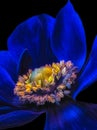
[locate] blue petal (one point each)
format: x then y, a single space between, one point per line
16 118
7 62
25 63
6 85
89 74
72 116
33 34
5 109
68 39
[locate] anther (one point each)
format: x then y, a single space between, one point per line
47 84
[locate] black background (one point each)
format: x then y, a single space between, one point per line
14 12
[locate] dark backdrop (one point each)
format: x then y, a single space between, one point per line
14 12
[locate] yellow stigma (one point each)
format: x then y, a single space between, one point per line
39 79
44 76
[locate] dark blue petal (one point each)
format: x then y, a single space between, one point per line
72 116
16 118
25 63
6 85
68 39
33 34
8 63
89 74
5 109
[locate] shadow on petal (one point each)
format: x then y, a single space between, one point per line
6 109
25 63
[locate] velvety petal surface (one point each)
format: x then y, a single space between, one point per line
6 85
89 74
72 116
33 34
16 118
68 39
8 63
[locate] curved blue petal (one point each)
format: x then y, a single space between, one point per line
72 116
89 74
33 34
68 39
25 63
16 118
8 63
6 85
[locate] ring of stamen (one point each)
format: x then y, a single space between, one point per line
49 83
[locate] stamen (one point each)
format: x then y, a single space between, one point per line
49 83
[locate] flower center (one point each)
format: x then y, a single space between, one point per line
49 83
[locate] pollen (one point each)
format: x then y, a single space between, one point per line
47 84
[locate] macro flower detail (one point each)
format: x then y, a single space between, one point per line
46 84
43 71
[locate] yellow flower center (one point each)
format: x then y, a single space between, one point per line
46 84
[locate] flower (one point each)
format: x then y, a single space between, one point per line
44 69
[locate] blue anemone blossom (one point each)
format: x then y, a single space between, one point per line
36 42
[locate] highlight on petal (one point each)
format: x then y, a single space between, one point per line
16 118
89 74
8 63
72 116
33 35
6 85
68 38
